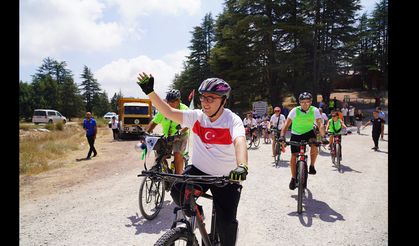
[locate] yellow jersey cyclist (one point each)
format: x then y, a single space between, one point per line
170 128
334 125
219 148
302 118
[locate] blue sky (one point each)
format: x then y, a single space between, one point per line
116 39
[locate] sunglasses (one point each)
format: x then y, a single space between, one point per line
208 99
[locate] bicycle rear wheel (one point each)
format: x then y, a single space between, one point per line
151 197
177 236
301 179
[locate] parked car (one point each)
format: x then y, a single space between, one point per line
47 116
109 115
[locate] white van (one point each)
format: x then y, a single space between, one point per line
47 116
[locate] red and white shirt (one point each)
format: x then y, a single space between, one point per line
213 142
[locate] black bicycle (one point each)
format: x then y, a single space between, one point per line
301 167
152 189
336 149
252 138
191 217
277 146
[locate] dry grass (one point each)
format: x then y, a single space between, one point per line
38 150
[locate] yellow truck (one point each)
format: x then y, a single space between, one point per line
134 114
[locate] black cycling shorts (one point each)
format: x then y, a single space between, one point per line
306 136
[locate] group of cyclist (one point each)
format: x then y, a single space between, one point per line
219 141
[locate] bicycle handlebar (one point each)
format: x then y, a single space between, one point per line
193 179
303 142
335 133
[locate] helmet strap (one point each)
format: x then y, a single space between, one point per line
222 103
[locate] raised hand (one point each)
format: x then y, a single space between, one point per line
146 82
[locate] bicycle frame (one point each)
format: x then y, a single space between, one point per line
191 194
196 217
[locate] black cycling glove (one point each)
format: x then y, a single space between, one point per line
281 139
239 173
146 83
325 141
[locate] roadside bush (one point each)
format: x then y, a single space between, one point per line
50 127
59 126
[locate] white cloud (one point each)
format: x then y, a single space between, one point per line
131 9
122 74
52 27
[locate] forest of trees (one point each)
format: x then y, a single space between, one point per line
269 49
53 87
265 49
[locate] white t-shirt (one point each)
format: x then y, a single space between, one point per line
250 123
114 124
344 111
292 115
274 121
351 111
213 142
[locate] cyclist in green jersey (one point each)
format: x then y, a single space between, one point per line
334 125
170 128
302 118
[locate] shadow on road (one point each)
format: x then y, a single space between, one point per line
282 163
380 151
324 152
315 208
162 222
344 169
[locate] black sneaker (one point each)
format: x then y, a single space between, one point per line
292 184
312 170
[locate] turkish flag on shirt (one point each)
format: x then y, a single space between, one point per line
191 95
212 135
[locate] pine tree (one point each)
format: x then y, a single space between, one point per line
90 88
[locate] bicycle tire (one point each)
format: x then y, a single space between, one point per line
333 153
266 138
256 141
151 195
301 179
249 141
277 154
177 234
338 156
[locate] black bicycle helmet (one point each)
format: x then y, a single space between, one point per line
216 86
305 95
172 95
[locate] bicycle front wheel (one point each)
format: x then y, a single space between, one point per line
333 153
277 153
177 236
151 197
249 141
256 140
338 155
302 179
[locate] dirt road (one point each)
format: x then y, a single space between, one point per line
95 202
